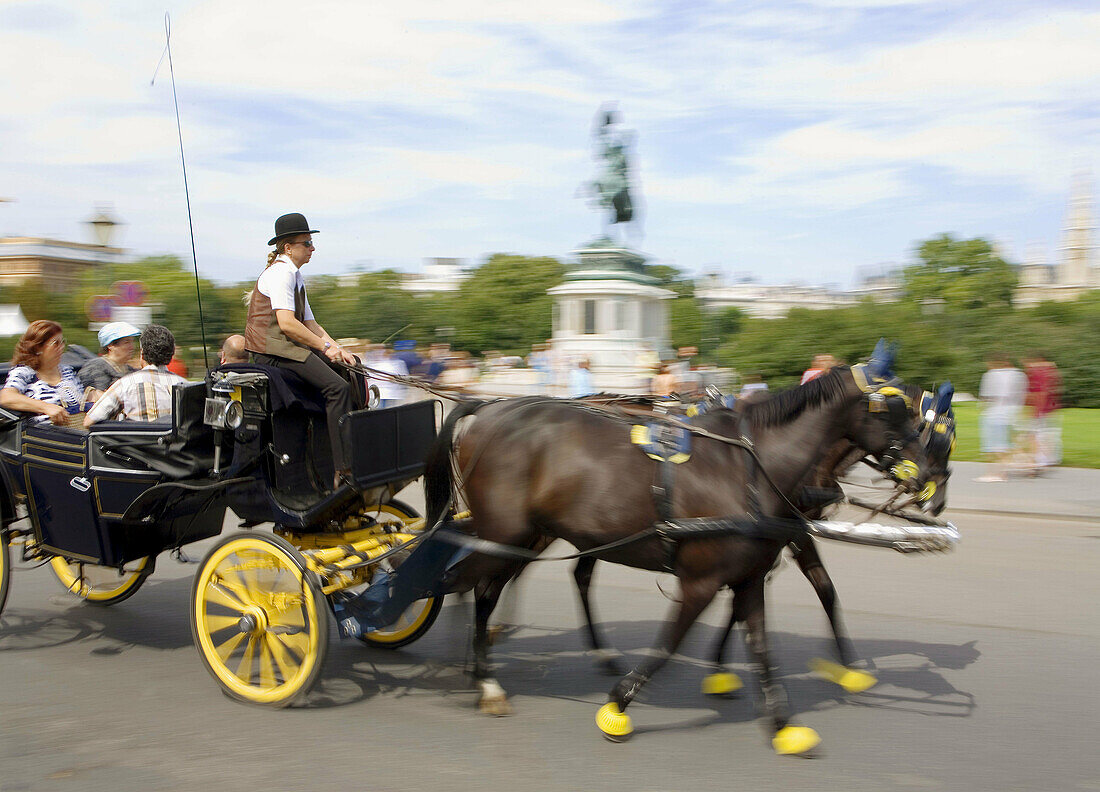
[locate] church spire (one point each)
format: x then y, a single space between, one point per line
1076 268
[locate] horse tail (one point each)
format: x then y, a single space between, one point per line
438 482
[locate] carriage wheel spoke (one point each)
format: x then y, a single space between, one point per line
244 670
226 649
216 623
267 671
278 651
234 597
297 644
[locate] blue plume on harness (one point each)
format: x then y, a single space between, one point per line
662 442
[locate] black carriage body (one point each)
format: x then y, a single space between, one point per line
124 490
87 493
282 450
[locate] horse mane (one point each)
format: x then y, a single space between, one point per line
787 405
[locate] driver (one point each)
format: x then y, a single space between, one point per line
282 332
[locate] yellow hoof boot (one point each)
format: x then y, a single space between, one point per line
795 740
851 679
614 724
721 683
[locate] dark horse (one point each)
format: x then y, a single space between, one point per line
536 468
820 490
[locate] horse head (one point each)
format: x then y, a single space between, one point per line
888 424
938 437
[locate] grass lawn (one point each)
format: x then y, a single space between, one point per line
1080 436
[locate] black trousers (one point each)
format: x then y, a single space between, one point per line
338 392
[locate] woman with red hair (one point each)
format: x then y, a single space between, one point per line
38 383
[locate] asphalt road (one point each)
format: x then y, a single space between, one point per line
986 660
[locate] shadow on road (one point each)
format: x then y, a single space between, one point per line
542 662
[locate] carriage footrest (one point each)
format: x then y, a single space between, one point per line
425 573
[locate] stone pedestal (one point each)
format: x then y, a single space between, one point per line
610 312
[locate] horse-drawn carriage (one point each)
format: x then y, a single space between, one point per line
102 504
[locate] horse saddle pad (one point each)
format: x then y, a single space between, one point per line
662 442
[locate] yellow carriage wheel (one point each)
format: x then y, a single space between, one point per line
418 617
259 620
5 569
102 585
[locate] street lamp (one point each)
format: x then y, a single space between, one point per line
103 225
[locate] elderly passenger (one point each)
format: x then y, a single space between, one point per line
116 339
38 383
145 395
233 351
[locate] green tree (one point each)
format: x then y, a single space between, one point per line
964 273
504 304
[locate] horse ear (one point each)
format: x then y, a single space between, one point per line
943 398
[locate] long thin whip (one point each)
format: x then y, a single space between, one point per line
183 161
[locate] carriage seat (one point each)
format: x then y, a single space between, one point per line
179 447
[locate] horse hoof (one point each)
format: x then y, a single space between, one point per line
795 741
722 683
497 707
851 679
614 724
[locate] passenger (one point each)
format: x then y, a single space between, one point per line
116 339
233 351
282 332
38 382
146 394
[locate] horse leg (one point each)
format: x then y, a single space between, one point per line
853 680
722 682
695 595
493 700
606 659
749 607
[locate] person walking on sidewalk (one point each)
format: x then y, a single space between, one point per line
1002 392
1044 397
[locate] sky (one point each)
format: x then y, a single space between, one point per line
794 141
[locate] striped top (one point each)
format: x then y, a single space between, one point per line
144 395
67 392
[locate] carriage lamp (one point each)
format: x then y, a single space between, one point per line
223 413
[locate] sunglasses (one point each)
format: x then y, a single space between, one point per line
56 342
308 243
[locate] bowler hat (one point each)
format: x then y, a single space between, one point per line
289 225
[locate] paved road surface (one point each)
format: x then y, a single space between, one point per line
987 661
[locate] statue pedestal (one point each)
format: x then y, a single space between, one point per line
608 311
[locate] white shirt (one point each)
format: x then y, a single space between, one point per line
279 282
1004 389
387 389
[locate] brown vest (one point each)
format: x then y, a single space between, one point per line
262 332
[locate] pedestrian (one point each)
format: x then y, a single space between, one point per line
821 363
664 384
116 342
1044 399
282 332
386 361
580 380
1002 391
754 383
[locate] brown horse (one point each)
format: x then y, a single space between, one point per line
820 490
538 468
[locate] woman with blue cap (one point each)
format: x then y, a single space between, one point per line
116 339
281 330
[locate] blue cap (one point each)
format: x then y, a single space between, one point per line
113 331
403 345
